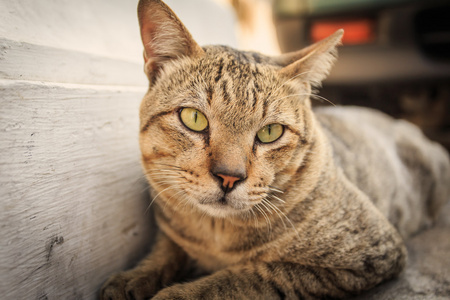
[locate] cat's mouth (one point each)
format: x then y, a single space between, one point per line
223 206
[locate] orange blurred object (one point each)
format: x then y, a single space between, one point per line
359 31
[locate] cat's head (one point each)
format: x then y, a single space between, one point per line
223 130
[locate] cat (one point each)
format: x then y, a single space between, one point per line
265 196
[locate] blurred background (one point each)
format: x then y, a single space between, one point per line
395 54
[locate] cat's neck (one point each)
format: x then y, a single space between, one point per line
315 163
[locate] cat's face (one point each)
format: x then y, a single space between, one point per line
222 115
221 130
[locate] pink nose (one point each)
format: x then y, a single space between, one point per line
228 181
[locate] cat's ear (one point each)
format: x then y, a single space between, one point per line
164 36
312 63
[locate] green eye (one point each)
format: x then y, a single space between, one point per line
193 119
270 133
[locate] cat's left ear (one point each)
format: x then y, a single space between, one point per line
313 63
164 37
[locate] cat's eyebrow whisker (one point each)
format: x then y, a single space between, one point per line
289 80
323 98
292 95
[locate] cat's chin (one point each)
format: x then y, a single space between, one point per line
223 210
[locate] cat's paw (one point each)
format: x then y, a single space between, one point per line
177 291
114 287
129 286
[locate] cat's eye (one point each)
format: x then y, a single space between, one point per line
193 119
270 133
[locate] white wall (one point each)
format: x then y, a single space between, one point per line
72 194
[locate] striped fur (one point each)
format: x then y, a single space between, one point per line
322 212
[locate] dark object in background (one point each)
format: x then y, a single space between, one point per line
395 55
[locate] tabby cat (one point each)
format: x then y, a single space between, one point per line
264 196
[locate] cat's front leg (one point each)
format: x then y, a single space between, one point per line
157 270
241 282
279 280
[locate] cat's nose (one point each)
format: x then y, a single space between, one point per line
229 181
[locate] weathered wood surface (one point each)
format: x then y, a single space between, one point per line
22 60
72 196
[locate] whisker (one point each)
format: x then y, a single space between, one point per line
185 200
289 220
164 176
263 203
292 95
255 217
306 94
164 173
153 174
164 170
289 80
153 200
276 209
277 198
174 195
266 217
147 187
275 189
202 216
168 165
323 98
162 182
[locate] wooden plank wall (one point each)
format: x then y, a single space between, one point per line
72 193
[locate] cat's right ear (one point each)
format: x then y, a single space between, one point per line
311 64
164 37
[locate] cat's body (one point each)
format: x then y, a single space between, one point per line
407 182
298 213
